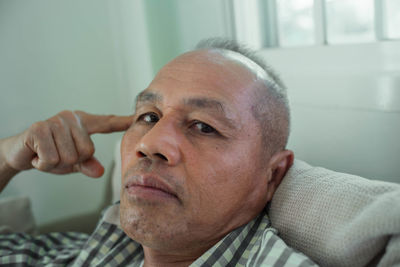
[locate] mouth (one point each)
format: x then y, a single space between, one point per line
149 187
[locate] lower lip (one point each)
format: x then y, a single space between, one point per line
149 193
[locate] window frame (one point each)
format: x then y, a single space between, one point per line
264 23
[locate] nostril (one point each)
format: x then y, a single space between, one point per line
140 154
161 156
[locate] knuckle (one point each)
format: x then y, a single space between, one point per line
56 123
71 159
40 128
64 113
79 112
37 126
42 166
52 161
60 119
67 115
78 117
87 151
48 164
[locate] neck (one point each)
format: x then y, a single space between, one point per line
157 258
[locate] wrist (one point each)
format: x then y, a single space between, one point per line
6 171
5 167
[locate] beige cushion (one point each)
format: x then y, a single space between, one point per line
338 219
16 215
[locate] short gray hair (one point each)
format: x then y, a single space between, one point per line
272 108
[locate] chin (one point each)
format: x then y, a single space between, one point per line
150 229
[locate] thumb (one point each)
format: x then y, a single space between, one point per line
92 168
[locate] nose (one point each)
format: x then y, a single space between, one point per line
161 143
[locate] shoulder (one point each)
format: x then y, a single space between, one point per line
270 250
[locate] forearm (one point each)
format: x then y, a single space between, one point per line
6 172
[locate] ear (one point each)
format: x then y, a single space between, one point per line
278 165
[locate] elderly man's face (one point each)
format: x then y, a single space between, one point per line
192 167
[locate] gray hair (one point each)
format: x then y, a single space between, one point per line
272 108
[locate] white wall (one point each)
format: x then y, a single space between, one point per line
90 55
345 102
176 26
200 19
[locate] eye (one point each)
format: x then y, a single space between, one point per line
204 127
149 117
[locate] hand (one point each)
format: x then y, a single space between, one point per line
62 143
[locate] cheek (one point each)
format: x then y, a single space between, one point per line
218 198
233 172
222 177
128 150
230 163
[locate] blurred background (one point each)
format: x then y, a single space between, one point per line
340 60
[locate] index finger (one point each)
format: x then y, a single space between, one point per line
103 123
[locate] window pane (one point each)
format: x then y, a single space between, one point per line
392 18
295 22
350 21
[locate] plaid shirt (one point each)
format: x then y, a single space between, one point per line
254 244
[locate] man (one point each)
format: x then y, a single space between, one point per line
201 157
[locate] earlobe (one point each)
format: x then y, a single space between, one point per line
279 164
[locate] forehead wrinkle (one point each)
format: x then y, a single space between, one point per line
203 102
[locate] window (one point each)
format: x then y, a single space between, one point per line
391 19
284 23
349 21
295 22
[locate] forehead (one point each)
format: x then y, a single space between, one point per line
206 73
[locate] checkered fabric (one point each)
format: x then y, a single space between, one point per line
254 244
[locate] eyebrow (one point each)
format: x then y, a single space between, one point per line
195 103
146 96
205 103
